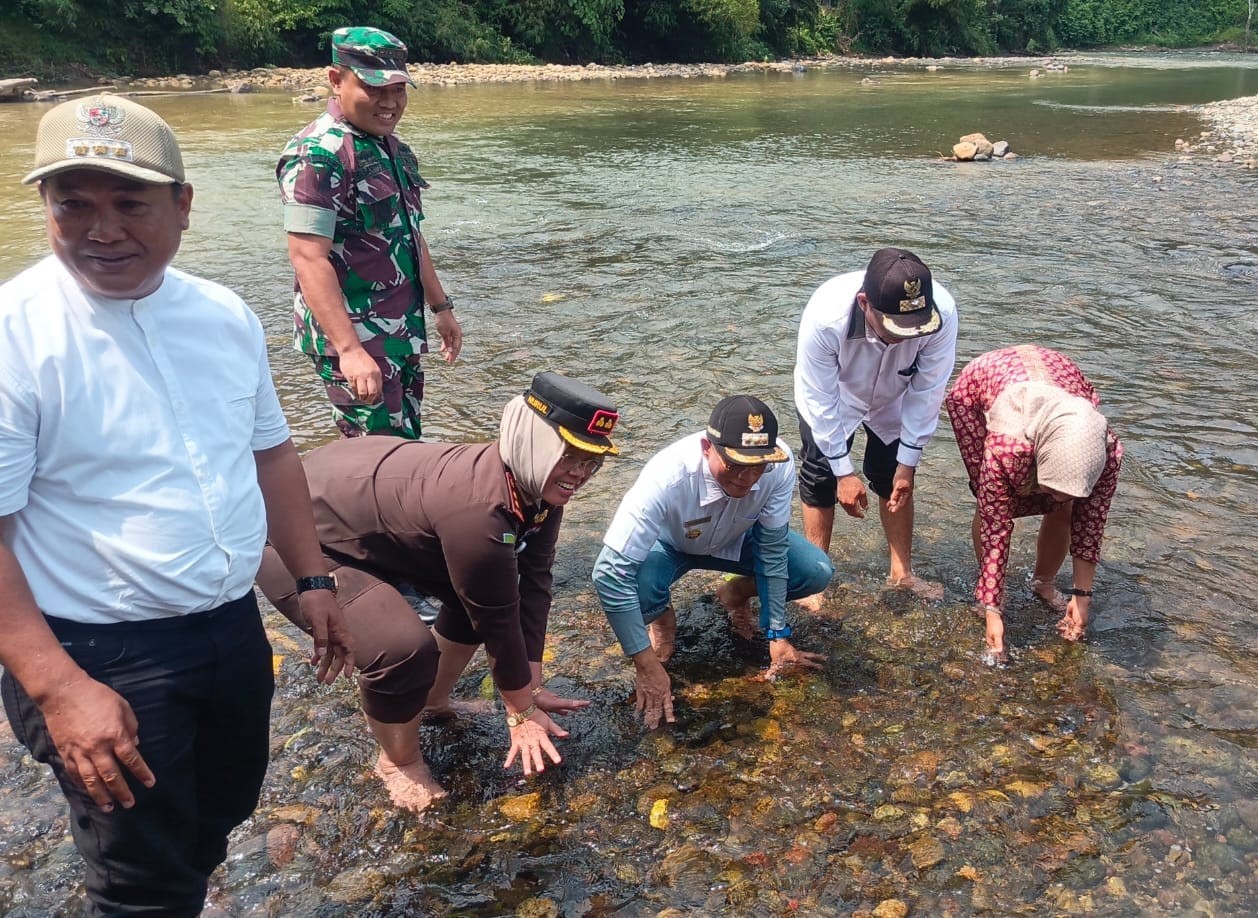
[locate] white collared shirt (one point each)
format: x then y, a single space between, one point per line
845 375
127 432
677 501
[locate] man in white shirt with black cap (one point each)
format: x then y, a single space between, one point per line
876 349
717 500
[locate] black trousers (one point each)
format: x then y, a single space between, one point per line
201 687
817 485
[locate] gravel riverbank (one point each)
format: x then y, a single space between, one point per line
1233 138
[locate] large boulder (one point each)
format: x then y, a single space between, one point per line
981 143
964 152
1000 148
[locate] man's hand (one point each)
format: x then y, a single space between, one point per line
333 646
653 696
783 658
901 487
530 739
95 731
451 333
363 375
852 496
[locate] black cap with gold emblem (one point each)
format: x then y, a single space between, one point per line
744 431
899 287
585 417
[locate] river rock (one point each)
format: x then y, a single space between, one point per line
891 908
1000 148
964 152
982 146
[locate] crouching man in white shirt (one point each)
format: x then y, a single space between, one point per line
716 500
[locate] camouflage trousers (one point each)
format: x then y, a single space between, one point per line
397 412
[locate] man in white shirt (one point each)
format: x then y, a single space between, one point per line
716 500
144 461
876 348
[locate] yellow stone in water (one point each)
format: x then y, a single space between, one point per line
848 721
522 807
919 821
891 908
768 730
894 729
552 297
296 812
538 908
276 662
888 811
486 689
968 873
299 773
962 801
927 852
1116 887
659 814
1027 789
548 655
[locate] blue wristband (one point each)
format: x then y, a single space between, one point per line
776 634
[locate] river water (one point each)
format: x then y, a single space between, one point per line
659 239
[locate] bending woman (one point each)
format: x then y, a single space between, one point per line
1034 444
474 525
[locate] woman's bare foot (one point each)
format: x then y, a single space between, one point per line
734 597
813 603
412 787
1048 592
930 590
663 635
452 708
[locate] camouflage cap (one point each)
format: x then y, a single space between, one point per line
109 134
376 57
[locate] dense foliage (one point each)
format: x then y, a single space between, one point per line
148 36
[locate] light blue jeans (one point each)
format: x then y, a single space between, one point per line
808 570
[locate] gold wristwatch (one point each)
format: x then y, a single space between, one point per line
514 720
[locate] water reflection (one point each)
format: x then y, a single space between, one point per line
659 239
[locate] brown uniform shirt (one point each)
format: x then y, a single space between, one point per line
449 519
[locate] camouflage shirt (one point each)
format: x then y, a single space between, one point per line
362 192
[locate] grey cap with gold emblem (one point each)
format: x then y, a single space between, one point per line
107 133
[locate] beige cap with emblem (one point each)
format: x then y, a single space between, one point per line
107 133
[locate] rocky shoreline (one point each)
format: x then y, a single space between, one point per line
1232 140
1234 137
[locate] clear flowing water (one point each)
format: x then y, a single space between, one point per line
659 239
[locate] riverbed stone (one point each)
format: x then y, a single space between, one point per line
964 152
891 908
982 146
1000 148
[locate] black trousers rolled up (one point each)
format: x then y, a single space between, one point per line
200 686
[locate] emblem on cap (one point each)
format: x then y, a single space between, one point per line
913 292
603 423
100 118
755 422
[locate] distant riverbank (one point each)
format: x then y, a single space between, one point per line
1234 137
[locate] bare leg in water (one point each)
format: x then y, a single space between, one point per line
401 765
735 595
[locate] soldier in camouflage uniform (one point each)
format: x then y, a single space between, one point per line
352 211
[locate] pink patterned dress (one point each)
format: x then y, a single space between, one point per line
1002 467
